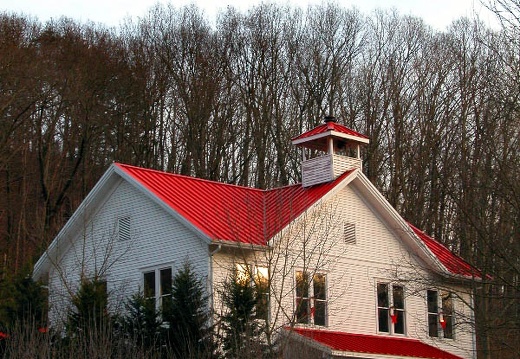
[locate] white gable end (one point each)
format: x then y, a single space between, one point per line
155 239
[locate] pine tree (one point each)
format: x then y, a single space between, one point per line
142 322
90 307
240 329
186 312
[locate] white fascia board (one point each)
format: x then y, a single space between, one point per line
331 133
393 215
199 233
344 182
93 198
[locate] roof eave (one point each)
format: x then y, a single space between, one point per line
147 192
300 141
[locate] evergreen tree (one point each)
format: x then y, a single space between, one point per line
186 313
142 322
241 331
90 307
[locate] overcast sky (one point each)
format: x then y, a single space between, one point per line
438 13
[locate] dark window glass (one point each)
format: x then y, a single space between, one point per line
433 313
447 310
320 299
166 281
383 307
149 284
398 303
302 297
382 295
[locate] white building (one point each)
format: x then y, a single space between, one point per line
347 276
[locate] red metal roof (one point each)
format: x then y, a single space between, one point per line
374 344
228 212
239 214
451 261
330 126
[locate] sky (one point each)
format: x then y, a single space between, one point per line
437 13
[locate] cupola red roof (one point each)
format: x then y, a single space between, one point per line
316 138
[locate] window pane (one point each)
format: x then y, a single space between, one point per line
149 284
398 296
302 284
166 281
302 310
433 306
383 320
382 295
447 310
320 291
320 312
433 328
399 326
262 292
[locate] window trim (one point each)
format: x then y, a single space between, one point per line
252 273
159 293
441 296
390 308
310 318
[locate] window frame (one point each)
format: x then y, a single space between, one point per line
306 296
389 308
253 275
443 299
159 292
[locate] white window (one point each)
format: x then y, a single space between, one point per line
257 276
390 308
157 284
311 298
440 314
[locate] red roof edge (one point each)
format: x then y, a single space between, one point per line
372 344
455 264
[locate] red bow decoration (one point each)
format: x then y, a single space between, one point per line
442 321
393 315
3 335
43 329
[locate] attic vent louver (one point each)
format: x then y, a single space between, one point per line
124 228
349 233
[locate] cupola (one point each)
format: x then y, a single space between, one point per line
329 150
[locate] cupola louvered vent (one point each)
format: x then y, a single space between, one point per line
349 233
124 228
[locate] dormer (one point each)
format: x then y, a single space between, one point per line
329 150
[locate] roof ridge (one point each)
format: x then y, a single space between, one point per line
197 179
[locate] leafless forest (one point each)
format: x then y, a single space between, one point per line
175 92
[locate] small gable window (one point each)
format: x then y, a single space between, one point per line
390 308
123 228
349 233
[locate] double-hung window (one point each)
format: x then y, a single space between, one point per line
258 277
390 308
158 285
440 314
311 298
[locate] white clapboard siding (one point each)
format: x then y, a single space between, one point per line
327 167
353 272
156 239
